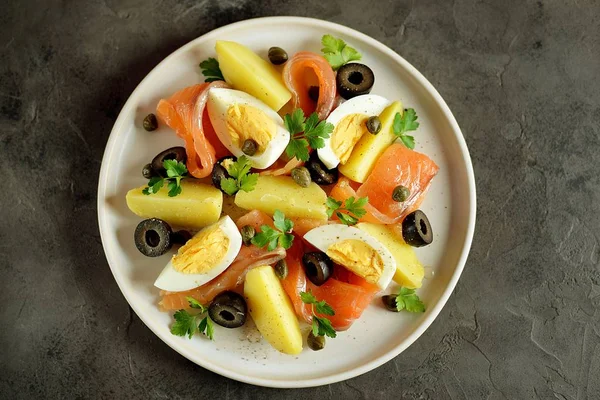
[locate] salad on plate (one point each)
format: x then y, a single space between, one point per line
294 200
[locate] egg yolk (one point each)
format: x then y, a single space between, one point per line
358 257
247 122
202 252
346 134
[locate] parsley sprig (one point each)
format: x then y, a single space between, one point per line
408 300
305 132
187 323
348 212
321 326
337 52
405 123
240 179
281 236
176 171
211 71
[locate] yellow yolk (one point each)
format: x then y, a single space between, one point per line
346 134
202 252
358 257
247 122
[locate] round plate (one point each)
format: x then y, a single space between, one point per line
241 354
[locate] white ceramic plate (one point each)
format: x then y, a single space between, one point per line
240 353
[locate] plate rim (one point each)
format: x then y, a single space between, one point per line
464 152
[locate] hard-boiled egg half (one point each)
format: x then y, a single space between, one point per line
202 258
356 251
237 116
349 121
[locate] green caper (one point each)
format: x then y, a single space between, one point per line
281 269
277 55
150 122
148 171
389 301
301 176
250 147
374 125
248 233
400 193
315 343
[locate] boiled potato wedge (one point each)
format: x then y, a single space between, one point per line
409 271
272 310
370 147
197 206
282 193
246 71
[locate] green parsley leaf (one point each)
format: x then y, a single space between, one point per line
196 304
211 70
304 133
350 213
308 298
405 123
324 327
406 299
323 308
176 171
337 52
240 179
206 327
321 326
274 237
185 324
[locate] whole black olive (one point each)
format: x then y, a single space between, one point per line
148 171
354 79
319 173
174 153
416 229
150 123
318 267
277 55
228 309
153 237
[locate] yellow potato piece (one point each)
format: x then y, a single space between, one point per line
370 147
246 71
409 271
282 193
197 206
272 310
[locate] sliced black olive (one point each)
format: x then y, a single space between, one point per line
319 173
153 237
416 229
180 237
277 55
389 301
228 309
354 79
148 171
400 193
301 176
313 93
218 174
174 153
248 233
250 147
315 343
318 267
150 123
374 125
281 269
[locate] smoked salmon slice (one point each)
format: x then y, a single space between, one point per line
348 294
233 277
398 165
184 113
344 190
297 78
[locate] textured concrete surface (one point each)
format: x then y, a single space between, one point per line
522 80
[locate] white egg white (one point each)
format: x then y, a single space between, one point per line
324 236
174 281
367 104
219 101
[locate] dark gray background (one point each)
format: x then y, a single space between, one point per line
523 80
